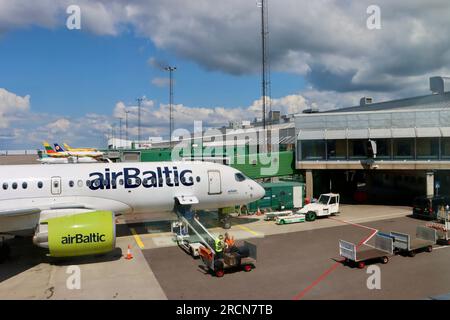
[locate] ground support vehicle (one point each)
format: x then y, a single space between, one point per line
326 205
361 255
188 243
272 216
239 257
292 218
424 241
442 227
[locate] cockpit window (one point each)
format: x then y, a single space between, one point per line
239 177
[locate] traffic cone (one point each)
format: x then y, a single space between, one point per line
129 256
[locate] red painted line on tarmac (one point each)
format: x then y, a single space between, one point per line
336 264
374 231
352 223
317 281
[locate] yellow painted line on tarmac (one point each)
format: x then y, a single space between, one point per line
137 238
156 235
247 229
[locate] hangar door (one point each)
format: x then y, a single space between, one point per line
214 182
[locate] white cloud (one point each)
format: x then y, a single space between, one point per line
161 82
324 40
11 105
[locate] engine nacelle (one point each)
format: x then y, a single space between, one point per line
77 235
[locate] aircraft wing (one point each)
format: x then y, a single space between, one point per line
19 212
24 219
28 211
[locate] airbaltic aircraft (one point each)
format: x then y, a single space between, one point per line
70 209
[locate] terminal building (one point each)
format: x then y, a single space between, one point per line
386 152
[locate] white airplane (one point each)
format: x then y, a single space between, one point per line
75 152
70 209
51 160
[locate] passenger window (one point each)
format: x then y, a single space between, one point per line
239 177
5 186
88 183
121 182
71 183
40 184
24 185
80 183
14 185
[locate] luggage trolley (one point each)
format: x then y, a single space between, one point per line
442 227
353 255
425 238
244 257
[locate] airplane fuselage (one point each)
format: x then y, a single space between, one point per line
119 187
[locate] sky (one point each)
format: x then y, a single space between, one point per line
71 86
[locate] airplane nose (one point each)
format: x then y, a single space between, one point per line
259 191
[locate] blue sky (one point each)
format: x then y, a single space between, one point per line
72 72
71 85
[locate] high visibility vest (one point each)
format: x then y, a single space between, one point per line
230 242
218 245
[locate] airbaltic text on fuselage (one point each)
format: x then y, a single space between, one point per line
133 178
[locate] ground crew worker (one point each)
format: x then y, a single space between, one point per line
229 240
218 246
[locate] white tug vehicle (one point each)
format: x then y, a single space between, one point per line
326 205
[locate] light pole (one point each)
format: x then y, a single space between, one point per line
139 100
120 130
126 124
113 130
171 70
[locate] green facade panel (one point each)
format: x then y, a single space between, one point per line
250 165
278 196
284 163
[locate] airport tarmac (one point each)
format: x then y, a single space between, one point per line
297 261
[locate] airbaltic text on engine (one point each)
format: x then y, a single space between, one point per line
133 178
80 238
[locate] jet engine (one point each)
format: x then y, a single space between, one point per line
77 235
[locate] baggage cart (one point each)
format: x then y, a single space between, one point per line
424 241
354 255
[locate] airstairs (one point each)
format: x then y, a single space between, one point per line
186 223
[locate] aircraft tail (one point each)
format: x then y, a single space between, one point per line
48 148
58 148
